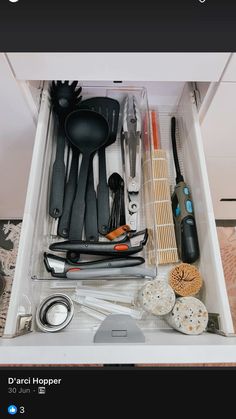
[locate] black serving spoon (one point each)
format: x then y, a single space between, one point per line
88 131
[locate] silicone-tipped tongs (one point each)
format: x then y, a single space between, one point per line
131 148
132 144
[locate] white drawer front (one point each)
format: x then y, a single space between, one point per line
119 66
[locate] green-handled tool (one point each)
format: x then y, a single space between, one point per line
182 207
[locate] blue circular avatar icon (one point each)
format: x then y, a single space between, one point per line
12 409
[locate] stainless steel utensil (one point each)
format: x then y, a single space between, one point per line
54 313
131 148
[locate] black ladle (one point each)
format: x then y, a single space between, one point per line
88 131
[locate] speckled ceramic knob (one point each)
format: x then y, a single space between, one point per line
188 316
157 297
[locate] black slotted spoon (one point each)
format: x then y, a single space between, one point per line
109 108
64 98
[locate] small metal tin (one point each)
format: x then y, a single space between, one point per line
54 313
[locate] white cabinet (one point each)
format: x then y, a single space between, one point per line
230 72
219 124
222 175
119 66
219 138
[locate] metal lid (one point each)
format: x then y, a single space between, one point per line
54 313
57 314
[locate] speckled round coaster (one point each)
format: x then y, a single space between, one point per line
188 316
157 297
185 279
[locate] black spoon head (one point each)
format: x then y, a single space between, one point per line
115 182
107 107
87 130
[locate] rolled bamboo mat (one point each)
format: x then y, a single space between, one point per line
165 231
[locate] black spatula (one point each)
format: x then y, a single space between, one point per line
110 109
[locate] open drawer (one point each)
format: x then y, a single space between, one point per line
74 345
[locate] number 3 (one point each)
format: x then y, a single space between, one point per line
22 409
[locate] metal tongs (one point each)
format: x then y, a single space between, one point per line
131 148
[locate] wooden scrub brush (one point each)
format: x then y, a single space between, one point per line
185 279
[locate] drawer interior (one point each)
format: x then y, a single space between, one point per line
32 282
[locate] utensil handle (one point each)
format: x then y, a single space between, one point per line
103 195
91 215
58 177
106 263
70 190
78 209
121 248
122 209
139 271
